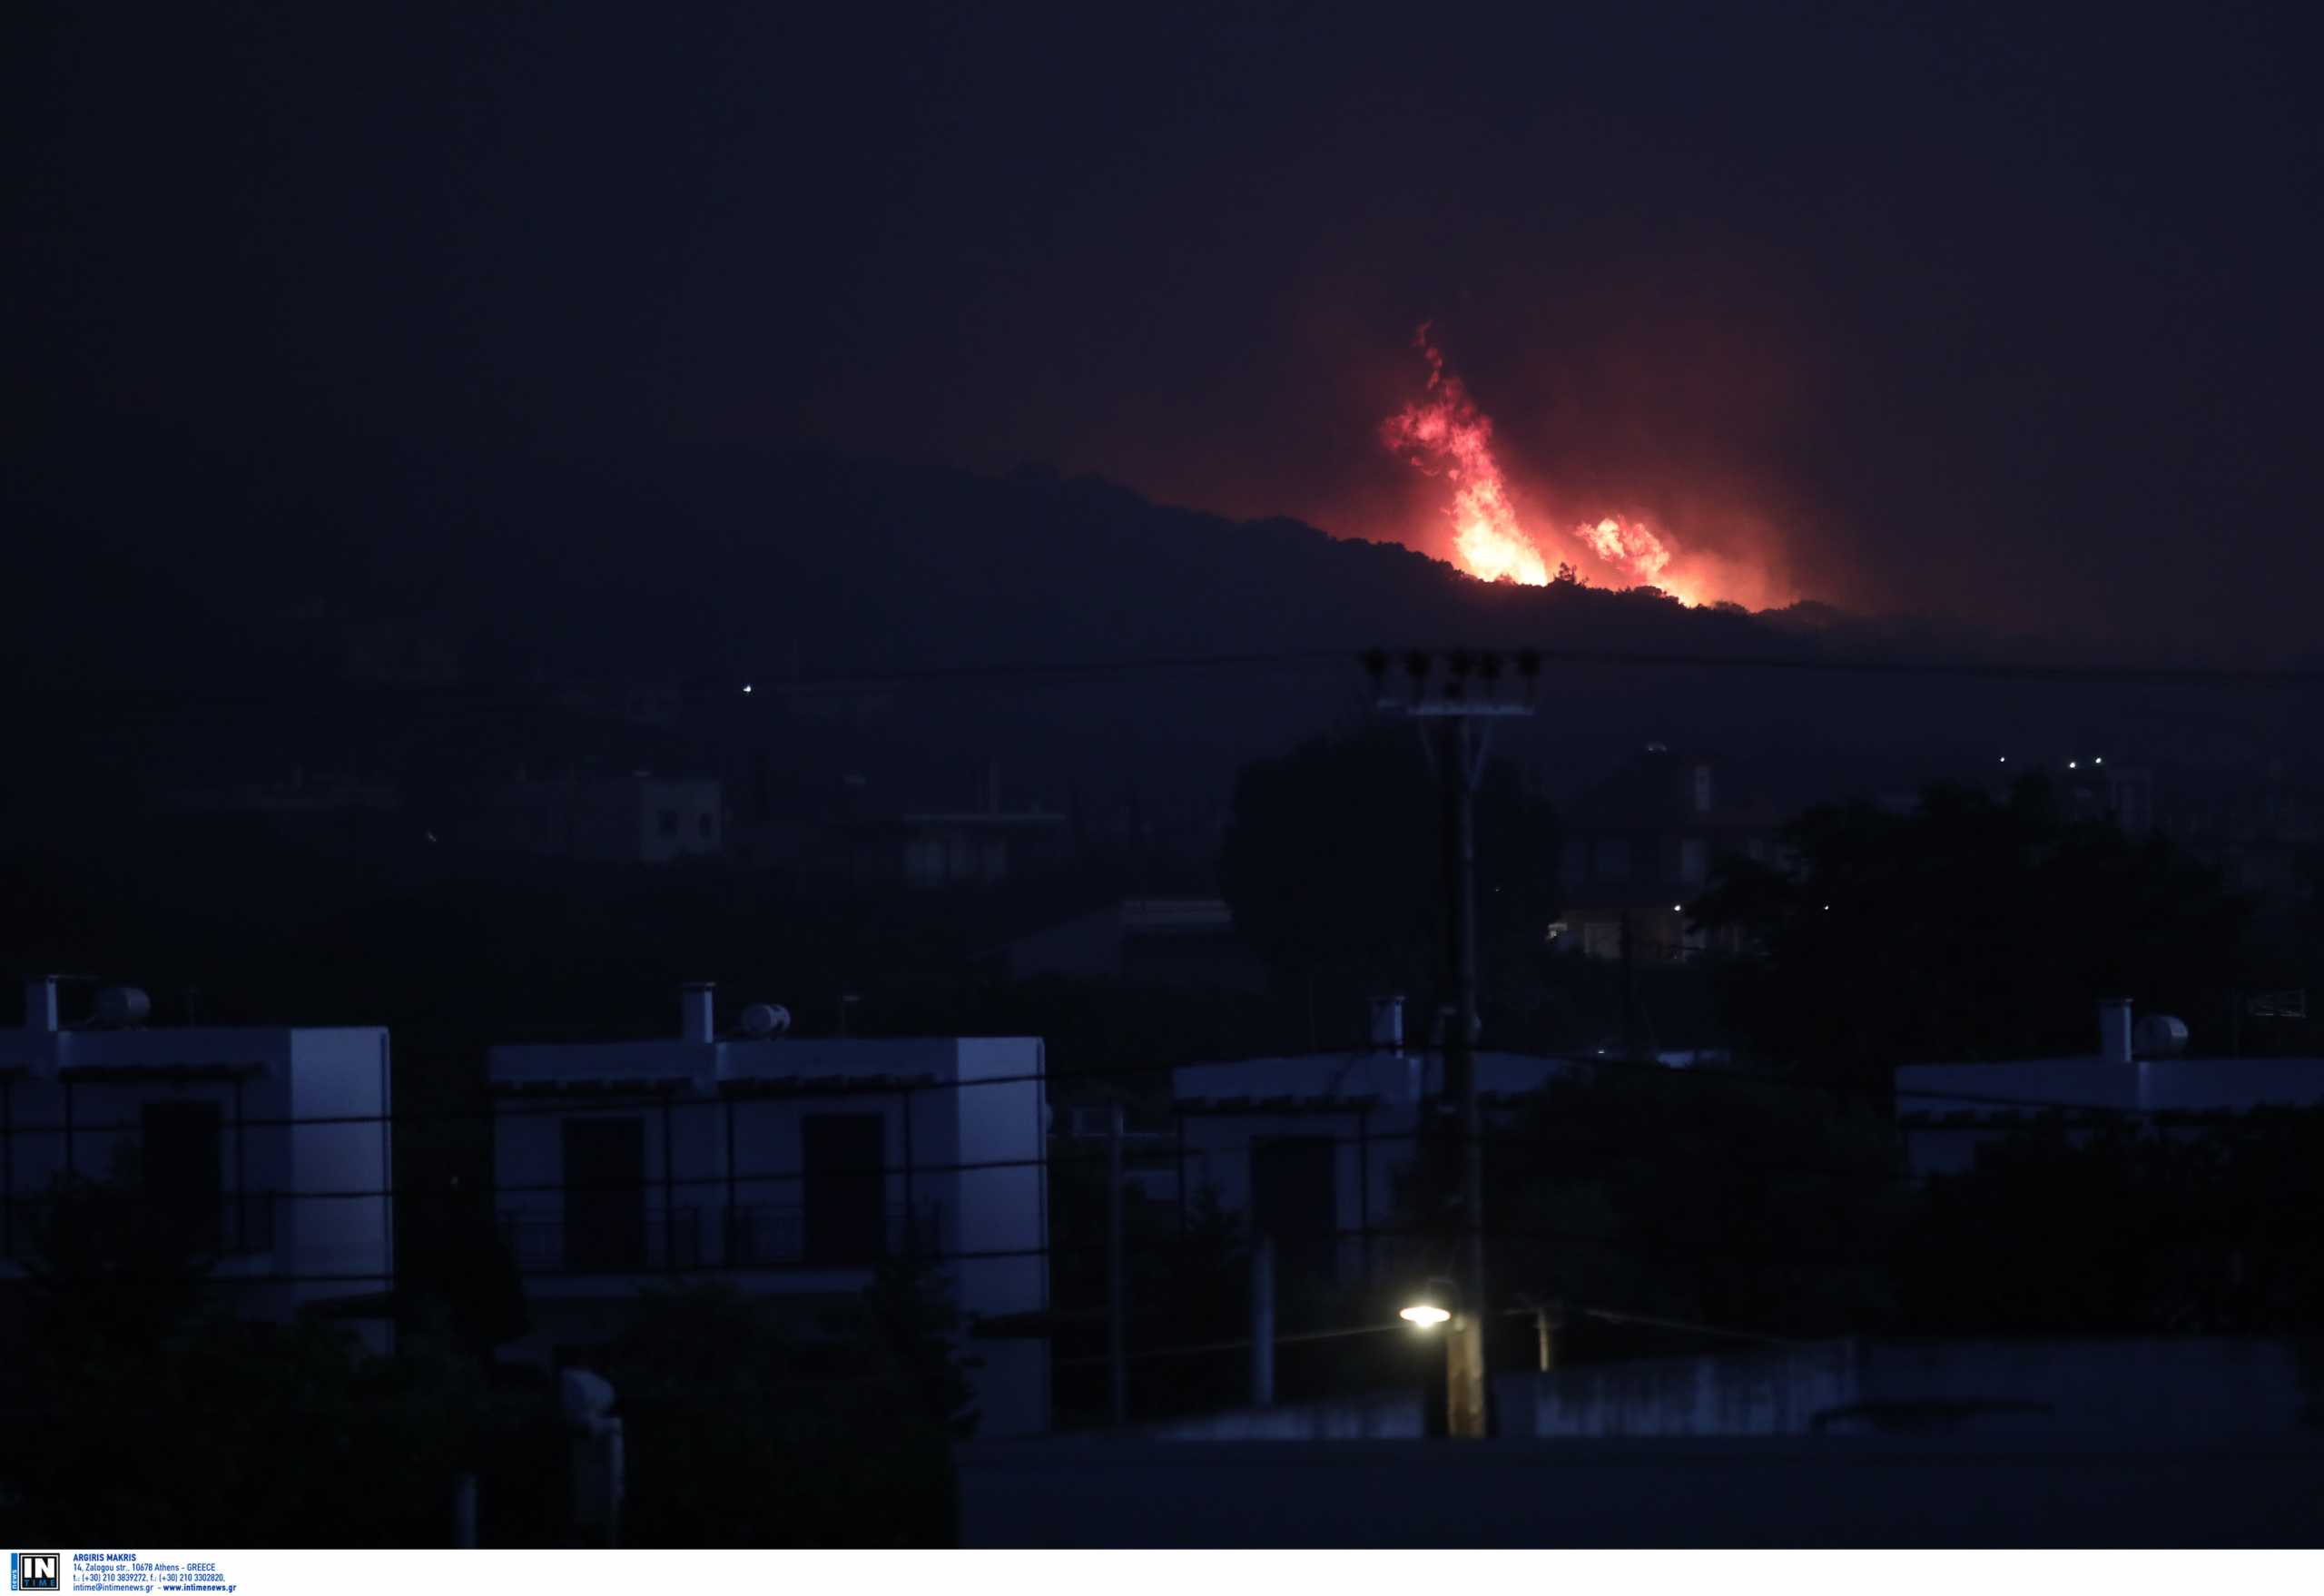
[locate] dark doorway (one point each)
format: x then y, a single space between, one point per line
182 1169
841 1155
605 1194
1295 1198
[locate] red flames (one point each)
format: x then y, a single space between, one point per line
1443 434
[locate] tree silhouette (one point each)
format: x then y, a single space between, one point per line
1973 928
1333 864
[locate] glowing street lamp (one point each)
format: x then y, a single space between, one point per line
1439 1302
1434 1306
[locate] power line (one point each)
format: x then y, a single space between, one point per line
1288 1108
778 682
708 1272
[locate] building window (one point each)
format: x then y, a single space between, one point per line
669 822
182 1160
844 1187
605 1194
1694 859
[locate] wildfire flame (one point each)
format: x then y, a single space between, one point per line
1627 545
1448 436
1443 434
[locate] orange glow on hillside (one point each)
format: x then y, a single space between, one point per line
1448 436
1444 434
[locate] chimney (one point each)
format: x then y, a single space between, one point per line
2114 1030
694 1011
1388 1023
40 1003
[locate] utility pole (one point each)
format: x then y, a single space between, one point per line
1546 1323
1116 1289
1472 692
1631 1051
1262 1321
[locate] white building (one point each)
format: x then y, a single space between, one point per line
1310 1147
268 1148
1946 1111
635 819
785 1166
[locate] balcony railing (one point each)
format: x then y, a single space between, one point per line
56 1229
761 1236
755 1236
648 1239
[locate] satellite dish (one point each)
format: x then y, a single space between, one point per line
2161 1036
762 1020
123 1006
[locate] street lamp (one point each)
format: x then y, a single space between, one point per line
1434 1306
1439 1302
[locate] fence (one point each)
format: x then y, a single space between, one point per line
633 1238
228 1224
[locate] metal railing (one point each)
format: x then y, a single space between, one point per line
761 1236
642 1238
54 1228
751 1237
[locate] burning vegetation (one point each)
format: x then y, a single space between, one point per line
1444 434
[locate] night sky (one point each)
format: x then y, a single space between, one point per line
2011 318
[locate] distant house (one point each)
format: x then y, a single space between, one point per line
1641 847
1310 1147
786 1166
265 1150
638 818
2266 838
1946 1111
1150 941
977 848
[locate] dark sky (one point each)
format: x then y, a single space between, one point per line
2001 315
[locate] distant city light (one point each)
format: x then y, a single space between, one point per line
746 686
2100 760
2004 759
2072 764
1678 908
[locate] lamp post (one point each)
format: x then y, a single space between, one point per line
1475 690
1440 1306
1549 1318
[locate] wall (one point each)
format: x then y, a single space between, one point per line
1376 1144
528 1161
1944 1128
1781 1493
1774 1393
324 1186
106 1117
1005 1210
1375 1147
2177 1385
1388 1415
1000 1212
340 1224
2181 1385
